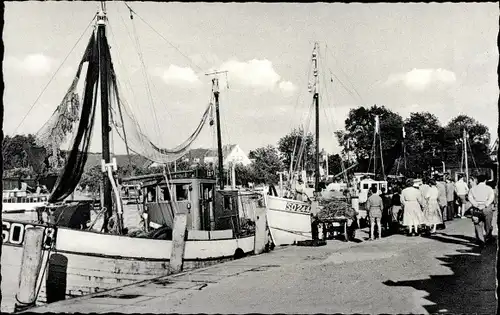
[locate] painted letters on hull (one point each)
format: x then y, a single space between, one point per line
289 220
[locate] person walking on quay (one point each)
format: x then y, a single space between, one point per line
374 205
394 210
481 197
424 187
385 208
441 186
461 189
450 199
411 200
472 182
432 211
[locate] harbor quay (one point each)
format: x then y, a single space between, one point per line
396 274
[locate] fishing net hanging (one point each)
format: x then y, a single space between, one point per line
64 119
71 113
130 131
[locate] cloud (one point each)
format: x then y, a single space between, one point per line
179 76
420 79
256 73
287 87
33 64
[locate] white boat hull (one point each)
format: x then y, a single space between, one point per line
289 220
84 262
21 206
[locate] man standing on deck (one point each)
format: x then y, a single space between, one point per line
462 189
481 197
300 190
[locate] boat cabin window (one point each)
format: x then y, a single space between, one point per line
365 186
165 194
151 194
182 192
228 205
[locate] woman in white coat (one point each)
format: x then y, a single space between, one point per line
411 200
432 211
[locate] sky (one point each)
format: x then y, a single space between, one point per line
440 58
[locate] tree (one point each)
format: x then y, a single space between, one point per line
334 164
357 139
245 174
267 163
424 138
20 172
478 138
23 151
92 177
290 144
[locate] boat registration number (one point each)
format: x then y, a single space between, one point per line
296 207
13 233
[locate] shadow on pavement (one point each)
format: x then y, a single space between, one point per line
470 289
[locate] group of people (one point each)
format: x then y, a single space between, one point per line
430 204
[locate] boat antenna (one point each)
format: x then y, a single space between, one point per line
215 91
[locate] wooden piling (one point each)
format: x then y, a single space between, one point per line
30 268
178 242
260 230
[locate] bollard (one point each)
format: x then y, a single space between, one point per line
260 230
30 268
355 206
178 242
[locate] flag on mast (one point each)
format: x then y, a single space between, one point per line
377 125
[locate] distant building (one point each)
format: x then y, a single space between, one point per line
122 160
231 154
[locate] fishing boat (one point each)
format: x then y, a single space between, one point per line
20 201
289 220
78 261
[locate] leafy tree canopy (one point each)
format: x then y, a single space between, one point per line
290 144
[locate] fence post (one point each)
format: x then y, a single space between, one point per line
30 267
178 242
260 230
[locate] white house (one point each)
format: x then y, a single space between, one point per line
232 153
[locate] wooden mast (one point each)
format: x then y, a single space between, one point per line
215 89
105 129
316 101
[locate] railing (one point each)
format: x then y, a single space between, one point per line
197 173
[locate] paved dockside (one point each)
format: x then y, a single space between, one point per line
445 273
